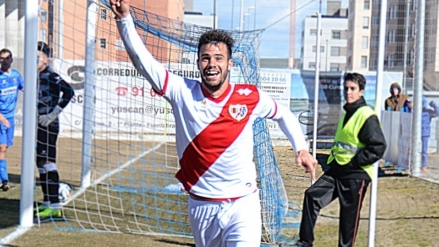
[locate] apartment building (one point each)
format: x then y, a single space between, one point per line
400 40
333 42
12 26
62 24
359 33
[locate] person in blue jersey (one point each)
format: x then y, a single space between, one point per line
429 111
10 83
53 96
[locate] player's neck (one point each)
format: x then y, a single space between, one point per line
8 71
218 93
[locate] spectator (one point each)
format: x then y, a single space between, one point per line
397 100
429 111
359 142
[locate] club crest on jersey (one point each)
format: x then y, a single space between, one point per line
238 112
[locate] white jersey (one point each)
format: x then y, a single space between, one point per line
214 136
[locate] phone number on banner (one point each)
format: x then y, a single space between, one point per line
273 77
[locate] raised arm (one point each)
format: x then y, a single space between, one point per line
143 61
435 107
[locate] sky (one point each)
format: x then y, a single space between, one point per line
271 15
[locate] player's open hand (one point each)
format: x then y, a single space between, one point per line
121 8
305 159
4 121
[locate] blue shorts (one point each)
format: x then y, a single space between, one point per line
7 134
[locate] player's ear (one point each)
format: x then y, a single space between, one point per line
230 64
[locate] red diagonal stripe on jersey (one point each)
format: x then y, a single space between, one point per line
219 135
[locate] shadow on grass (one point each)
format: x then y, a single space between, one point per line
14 178
9 213
174 242
10 204
389 218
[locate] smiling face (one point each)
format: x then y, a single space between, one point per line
352 91
214 65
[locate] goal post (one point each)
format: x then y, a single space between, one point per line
89 95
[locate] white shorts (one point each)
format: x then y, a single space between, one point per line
226 224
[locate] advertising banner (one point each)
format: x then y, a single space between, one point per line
124 101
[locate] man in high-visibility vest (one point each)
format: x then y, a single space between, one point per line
359 142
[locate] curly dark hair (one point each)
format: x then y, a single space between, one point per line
356 77
215 37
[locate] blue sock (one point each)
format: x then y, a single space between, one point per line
3 171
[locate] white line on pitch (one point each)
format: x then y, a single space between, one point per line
21 230
99 180
15 234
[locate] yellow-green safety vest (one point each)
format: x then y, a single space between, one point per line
346 142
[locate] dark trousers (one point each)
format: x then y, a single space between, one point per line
46 143
350 193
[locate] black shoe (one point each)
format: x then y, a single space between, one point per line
5 186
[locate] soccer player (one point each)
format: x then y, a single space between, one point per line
10 82
214 136
53 96
359 142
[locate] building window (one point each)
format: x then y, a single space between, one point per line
363 61
313 32
43 15
119 45
365 22
412 57
391 60
312 65
103 14
335 51
336 34
393 12
103 43
43 34
364 42
334 67
366 4
374 42
322 49
392 36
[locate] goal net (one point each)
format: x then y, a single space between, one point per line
116 146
